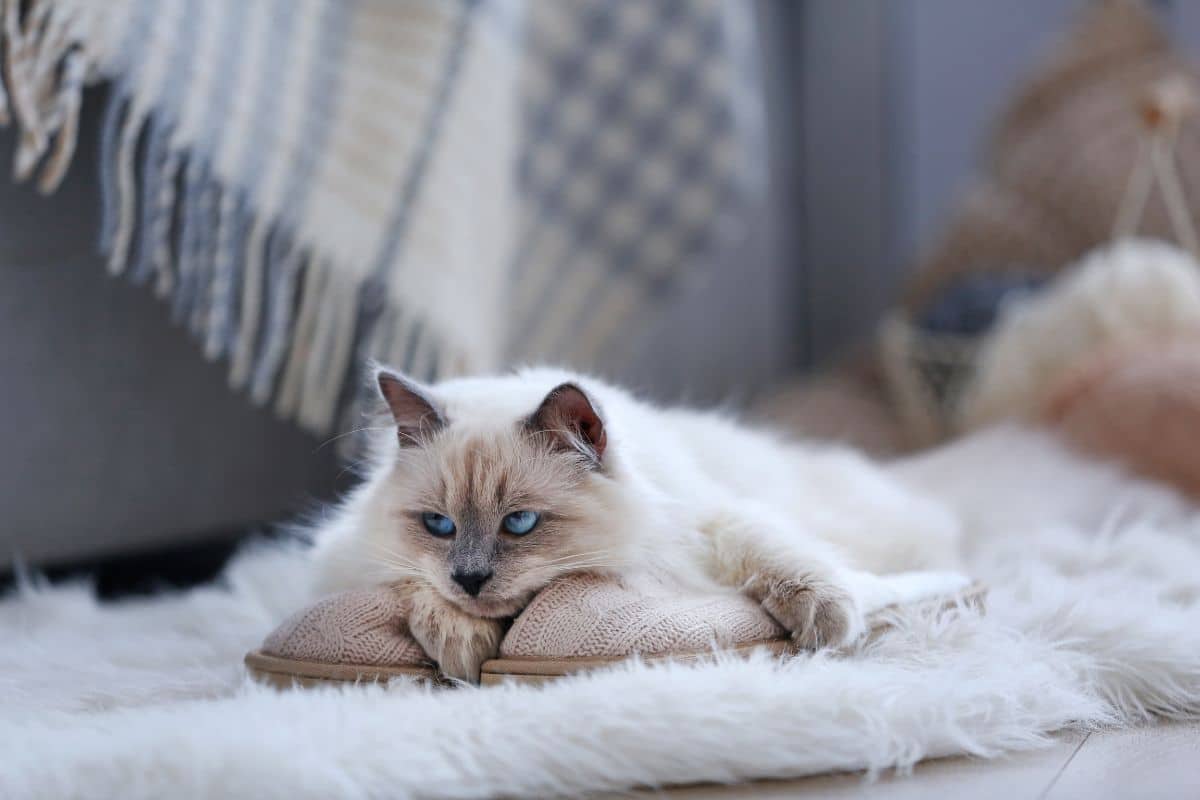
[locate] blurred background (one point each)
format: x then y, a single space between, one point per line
861 124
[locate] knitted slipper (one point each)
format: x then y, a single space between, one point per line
580 622
586 621
347 637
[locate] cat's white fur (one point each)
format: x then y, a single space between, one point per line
695 496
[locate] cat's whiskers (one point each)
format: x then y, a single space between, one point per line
572 556
351 432
351 466
381 563
392 556
394 570
391 562
575 566
391 567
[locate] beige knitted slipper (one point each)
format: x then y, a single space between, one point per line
352 636
578 623
586 621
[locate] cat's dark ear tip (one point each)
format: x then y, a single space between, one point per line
569 410
569 388
392 384
385 379
574 399
410 404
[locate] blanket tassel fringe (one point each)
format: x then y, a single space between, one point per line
289 323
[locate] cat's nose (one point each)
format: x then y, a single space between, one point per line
471 580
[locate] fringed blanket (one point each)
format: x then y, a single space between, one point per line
313 183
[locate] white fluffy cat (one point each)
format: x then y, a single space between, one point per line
483 490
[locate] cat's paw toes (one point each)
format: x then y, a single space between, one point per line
464 659
817 614
459 643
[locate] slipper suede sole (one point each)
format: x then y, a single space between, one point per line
287 672
541 670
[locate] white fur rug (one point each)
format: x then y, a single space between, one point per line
1092 621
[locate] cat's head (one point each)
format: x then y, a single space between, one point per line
488 506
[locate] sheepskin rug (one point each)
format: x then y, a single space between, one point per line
1092 621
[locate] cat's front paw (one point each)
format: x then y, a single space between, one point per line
460 652
457 641
818 613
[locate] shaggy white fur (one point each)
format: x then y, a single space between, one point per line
1092 622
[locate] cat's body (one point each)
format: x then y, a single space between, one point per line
615 484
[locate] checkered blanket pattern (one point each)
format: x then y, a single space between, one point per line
444 185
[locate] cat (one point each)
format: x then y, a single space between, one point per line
482 490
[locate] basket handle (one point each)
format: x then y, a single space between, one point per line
1162 111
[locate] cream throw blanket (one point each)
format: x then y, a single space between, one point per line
315 183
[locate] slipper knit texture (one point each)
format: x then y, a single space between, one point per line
579 616
361 627
589 616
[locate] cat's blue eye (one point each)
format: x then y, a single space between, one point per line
437 524
520 523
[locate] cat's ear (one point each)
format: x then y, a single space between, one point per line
415 414
572 419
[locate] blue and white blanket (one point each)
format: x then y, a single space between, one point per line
441 185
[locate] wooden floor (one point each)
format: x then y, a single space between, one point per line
1158 763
